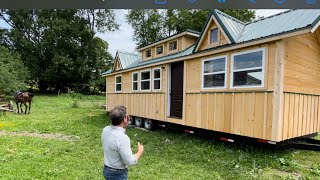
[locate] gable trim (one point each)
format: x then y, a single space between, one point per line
212 18
115 62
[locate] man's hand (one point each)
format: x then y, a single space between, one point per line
140 151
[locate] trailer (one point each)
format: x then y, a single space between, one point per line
258 80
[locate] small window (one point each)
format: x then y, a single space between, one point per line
145 80
148 53
214 35
118 83
173 46
248 69
214 73
156 79
135 78
160 50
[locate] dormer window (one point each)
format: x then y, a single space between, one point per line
214 35
159 50
173 46
148 53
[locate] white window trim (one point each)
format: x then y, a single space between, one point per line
146 90
115 83
153 79
220 72
137 81
249 69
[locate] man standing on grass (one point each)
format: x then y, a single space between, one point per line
116 146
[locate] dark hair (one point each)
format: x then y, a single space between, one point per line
117 115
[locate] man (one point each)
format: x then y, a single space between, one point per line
116 146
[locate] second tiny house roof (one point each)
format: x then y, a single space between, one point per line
237 32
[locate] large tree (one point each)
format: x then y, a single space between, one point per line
59 46
151 25
13 73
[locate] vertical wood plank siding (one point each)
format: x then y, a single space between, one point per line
301 115
245 114
146 105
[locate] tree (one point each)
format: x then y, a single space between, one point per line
168 22
12 72
147 25
58 46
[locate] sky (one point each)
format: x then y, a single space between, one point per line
122 39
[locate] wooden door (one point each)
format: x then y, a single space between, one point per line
176 94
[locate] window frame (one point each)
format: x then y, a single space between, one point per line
137 81
150 80
218 35
115 83
220 72
153 79
176 41
150 53
249 69
157 50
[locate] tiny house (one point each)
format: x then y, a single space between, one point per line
259 79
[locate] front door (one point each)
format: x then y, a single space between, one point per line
176 101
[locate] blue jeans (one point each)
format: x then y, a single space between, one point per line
113 174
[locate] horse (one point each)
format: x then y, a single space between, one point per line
23 98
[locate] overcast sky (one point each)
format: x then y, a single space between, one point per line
122 39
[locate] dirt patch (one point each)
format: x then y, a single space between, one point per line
41 135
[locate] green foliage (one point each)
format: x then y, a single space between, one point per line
152 25
59 46
168 154
13 73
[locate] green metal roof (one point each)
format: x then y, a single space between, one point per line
288 21
127 58
239 32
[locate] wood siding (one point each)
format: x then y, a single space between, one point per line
245 114
301 115
146 105
302 64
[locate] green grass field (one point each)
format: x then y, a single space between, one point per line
168 155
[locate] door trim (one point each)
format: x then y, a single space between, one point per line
168 89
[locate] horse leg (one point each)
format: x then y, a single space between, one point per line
17 106
25 104
29 106
21 108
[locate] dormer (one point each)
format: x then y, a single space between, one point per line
124 60
169 45
220 29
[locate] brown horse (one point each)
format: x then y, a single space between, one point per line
23 98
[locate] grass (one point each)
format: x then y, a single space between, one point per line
168 154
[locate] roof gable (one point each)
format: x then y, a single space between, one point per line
213 22
124 59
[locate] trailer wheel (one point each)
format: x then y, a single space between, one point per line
149 124
138 121
131 120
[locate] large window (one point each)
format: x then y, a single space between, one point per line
145 80
247 69
214 35
173 46
157 79
214 73
118 83
135 78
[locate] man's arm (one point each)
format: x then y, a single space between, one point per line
126 153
